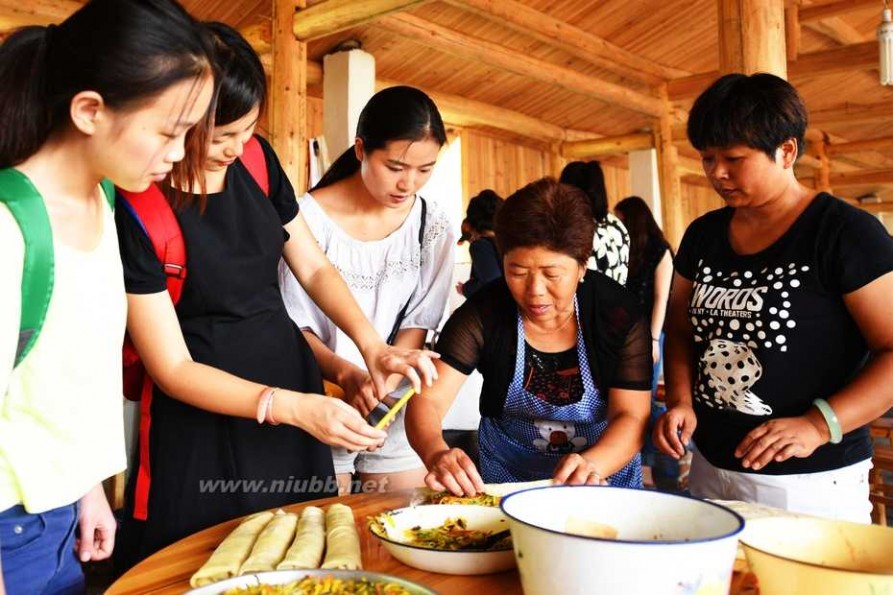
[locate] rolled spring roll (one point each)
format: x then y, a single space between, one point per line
232 551
342 540
310 541
271 544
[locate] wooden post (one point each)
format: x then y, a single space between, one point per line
752 37
288 94
816 143
792 30
673 212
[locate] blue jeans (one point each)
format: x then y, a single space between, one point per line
37 551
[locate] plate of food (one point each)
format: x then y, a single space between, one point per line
462 539
491 496
312 582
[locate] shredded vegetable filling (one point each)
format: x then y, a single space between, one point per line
454 535
324 586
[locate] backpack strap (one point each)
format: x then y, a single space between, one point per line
255 162
27 208
396 328
156 217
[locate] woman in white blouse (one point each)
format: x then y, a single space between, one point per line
394 250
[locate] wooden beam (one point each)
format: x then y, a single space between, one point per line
751 36
609 145
860 56
15 13
332 16
288 94
833 9
853 113
497 56
466 113
571 39
259 36
874 144
871 177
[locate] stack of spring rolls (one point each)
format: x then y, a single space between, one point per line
281 541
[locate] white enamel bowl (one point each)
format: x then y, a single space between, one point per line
819 556
484 518
666 543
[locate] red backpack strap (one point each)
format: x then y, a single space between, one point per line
256 163
155 215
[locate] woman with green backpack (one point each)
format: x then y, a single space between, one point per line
106 95
236 422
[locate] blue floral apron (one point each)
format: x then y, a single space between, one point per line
531 436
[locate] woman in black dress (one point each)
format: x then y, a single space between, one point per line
217 357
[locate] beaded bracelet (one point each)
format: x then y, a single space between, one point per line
827 412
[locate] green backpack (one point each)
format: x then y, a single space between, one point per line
27 208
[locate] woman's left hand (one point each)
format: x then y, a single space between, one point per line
574 469
383 360
97 527
778 440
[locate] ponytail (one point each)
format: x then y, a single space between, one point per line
345 166
25 116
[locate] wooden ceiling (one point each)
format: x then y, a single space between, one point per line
458 48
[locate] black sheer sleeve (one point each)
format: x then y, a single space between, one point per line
634 364
461 340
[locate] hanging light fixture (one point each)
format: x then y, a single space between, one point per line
885 40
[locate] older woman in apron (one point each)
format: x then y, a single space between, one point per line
565 356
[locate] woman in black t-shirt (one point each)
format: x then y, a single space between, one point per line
564 353
237 422
779 343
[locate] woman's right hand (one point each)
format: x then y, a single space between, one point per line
673 430
335 423
359 392
452 470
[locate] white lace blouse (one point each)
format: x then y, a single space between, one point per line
382 275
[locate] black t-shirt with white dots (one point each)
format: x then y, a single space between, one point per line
771 330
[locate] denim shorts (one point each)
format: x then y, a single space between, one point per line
37 551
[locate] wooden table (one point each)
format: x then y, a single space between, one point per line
168 571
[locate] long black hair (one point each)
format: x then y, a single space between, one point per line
128 51
241 82
588 177
642 227
395 113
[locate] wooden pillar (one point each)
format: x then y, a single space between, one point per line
288 94
792 30
673 212
816 148
752 37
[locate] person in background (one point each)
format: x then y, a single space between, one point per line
779 343
237 419
564 353
78 106
610 244
395 253
650 274
485 263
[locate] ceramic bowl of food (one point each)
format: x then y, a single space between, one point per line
582 539
313 581
818 556
447 538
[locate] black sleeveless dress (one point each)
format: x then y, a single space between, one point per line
204 467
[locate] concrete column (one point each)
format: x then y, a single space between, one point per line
644 180
348 83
